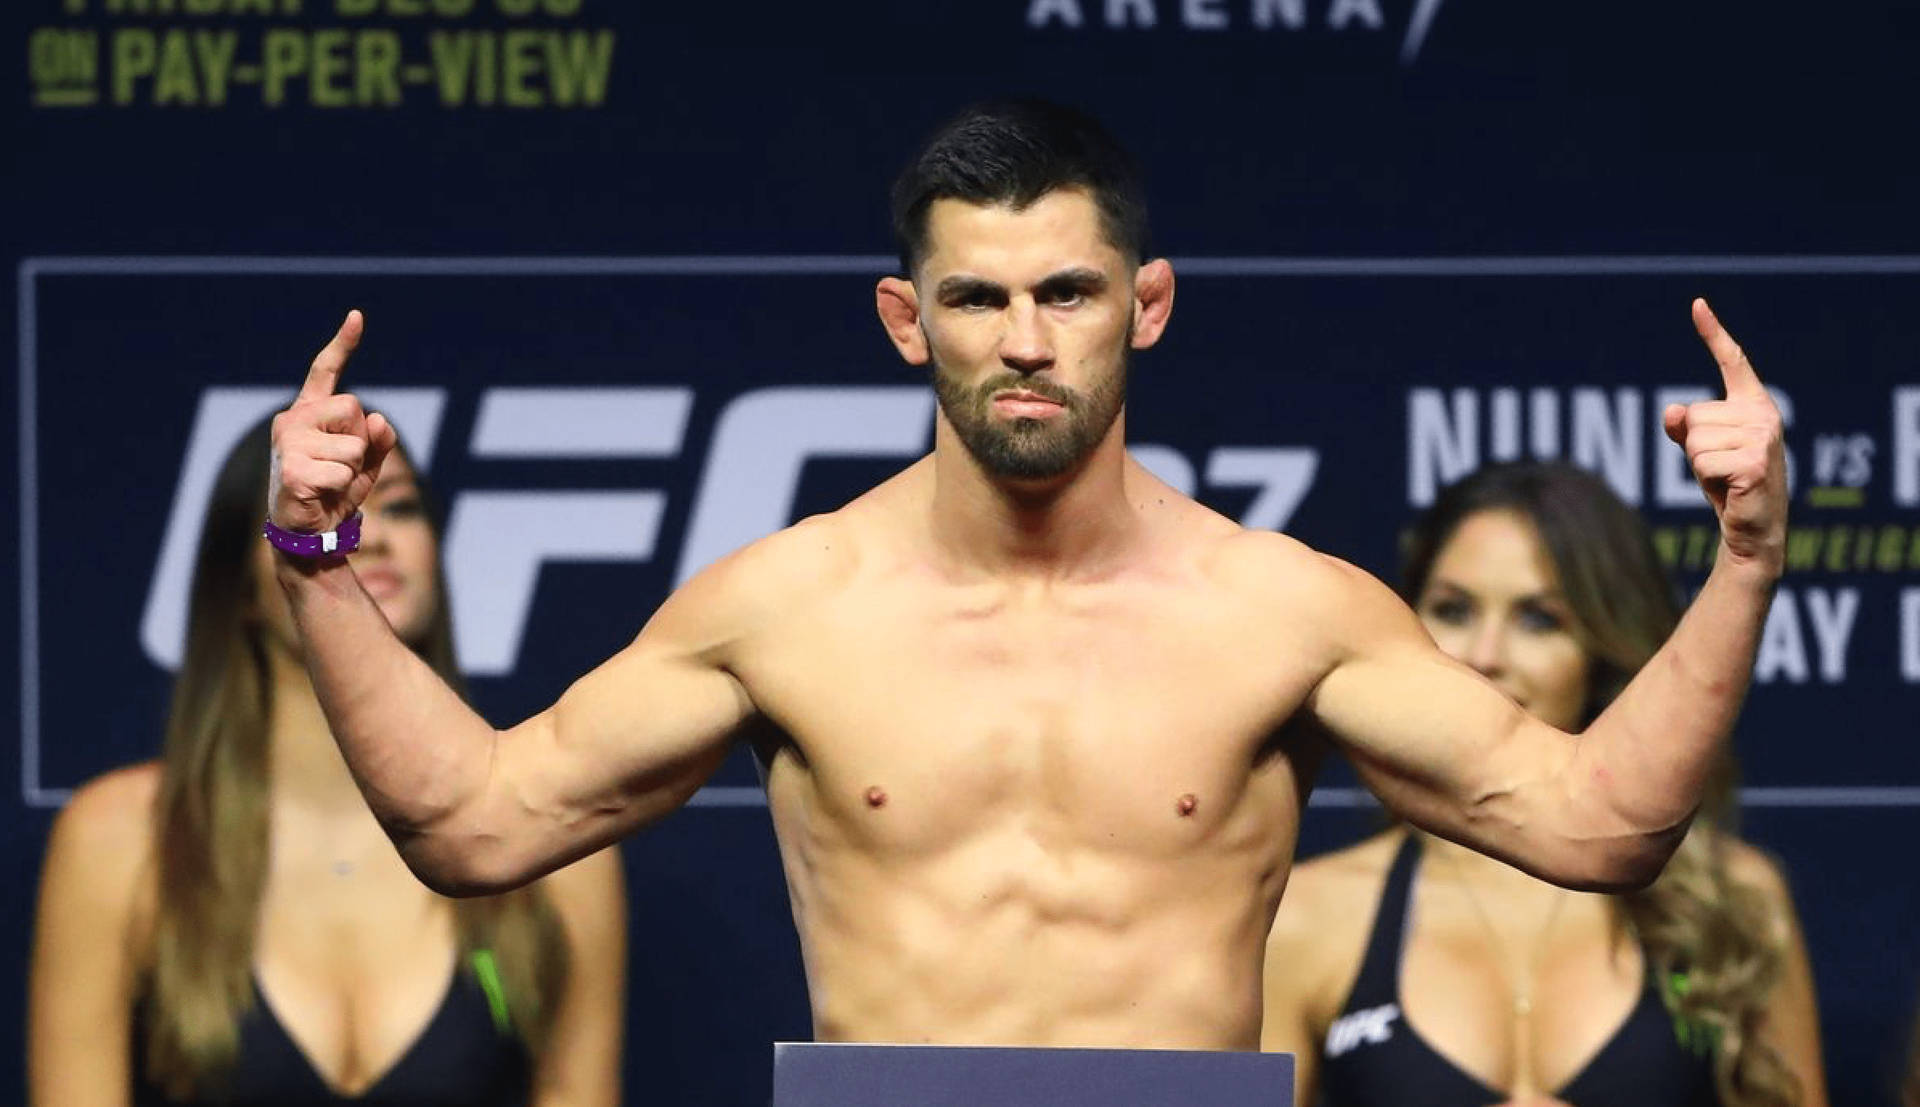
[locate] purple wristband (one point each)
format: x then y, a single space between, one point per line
333 543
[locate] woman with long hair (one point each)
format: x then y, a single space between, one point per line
230 925
1478 984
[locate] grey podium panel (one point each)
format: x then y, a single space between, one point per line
810 1074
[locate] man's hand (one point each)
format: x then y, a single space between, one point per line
327 452
1735 448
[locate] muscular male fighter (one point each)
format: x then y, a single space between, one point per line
1024 709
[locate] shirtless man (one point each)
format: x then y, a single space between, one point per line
1037 728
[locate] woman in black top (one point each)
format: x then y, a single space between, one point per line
229 924
1410 972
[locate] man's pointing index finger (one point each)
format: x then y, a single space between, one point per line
324 375
1736 372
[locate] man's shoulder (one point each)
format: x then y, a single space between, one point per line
791 562
825 548
1264 552
1275 570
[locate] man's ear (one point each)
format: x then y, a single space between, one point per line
1152 302
899 307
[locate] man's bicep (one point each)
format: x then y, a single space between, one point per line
631 740
636 737
1440 745
1408 710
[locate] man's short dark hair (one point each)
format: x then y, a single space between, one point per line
1013 152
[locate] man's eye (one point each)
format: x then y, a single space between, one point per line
1066 299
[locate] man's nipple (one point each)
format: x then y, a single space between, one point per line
1187 804
876 797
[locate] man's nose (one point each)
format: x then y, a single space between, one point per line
1026 344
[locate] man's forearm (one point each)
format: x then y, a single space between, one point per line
1651 753
417 750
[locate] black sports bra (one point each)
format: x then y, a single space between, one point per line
466 1056
1373 1057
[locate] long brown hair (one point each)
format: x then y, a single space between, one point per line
211 825
1709 939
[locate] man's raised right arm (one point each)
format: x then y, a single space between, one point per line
471 808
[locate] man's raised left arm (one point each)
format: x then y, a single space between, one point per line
1604 809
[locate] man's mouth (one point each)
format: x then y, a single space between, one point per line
1025 408
1025 403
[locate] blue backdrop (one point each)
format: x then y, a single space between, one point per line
617 264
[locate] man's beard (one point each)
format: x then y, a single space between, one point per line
1031 449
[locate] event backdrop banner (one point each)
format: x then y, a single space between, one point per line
617 263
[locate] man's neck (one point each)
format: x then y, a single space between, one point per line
1072 525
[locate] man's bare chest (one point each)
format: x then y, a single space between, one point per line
1140 721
